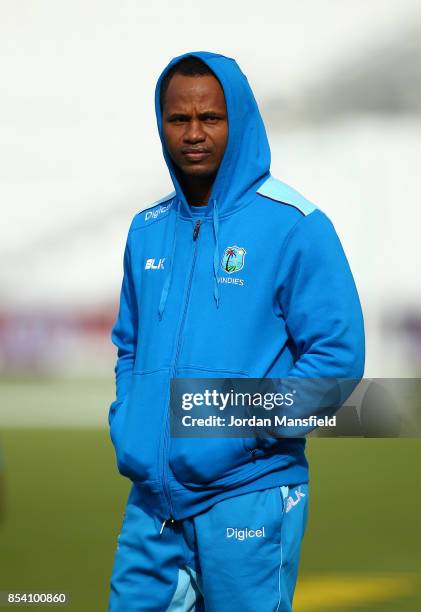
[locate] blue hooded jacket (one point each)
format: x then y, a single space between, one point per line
260 288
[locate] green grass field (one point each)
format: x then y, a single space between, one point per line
64 500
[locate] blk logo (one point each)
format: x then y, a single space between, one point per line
151 265
291 502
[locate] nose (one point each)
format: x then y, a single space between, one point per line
194 131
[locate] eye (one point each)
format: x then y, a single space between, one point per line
178 119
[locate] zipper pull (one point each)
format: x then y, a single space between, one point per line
171 520
196 229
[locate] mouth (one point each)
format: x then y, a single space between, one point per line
195 155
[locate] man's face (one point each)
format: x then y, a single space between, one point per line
195 124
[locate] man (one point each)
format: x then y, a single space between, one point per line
233 274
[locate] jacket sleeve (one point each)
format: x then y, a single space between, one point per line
124 334
319 301
317 296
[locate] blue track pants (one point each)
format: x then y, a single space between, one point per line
240 554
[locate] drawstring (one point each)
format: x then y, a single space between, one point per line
167 282
215 254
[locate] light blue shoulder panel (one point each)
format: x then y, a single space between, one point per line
161 201
154 211
281 192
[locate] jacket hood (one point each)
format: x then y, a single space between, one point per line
246 160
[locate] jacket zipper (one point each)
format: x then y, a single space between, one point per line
166 433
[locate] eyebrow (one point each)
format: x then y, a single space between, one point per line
208 113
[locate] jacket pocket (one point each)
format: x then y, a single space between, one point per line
116 423
137 433
205 459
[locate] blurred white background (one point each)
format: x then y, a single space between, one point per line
338 84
